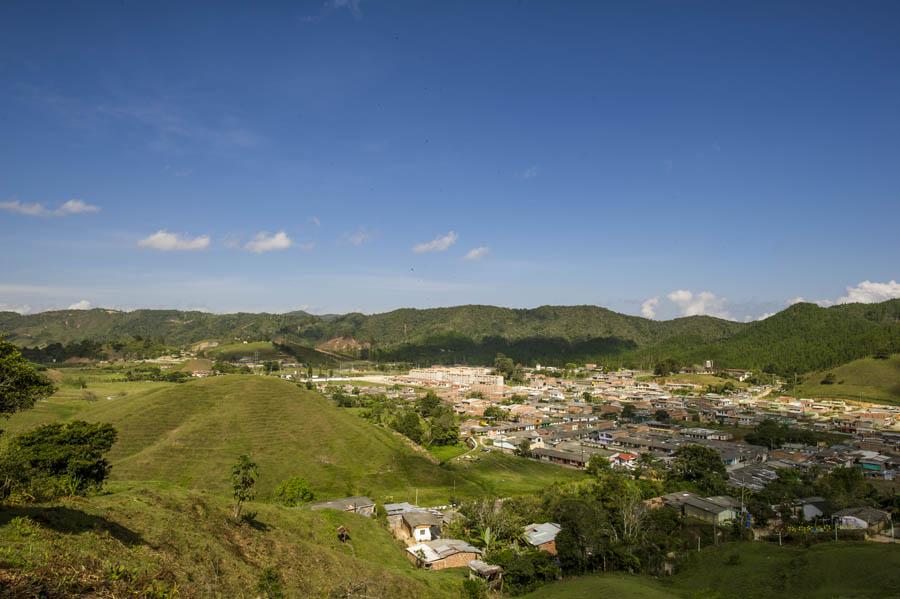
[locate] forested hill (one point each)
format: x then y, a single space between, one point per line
801 338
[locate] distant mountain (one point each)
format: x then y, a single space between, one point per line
801 338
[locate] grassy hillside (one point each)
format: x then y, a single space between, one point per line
132 540
190 434
757 570
867 379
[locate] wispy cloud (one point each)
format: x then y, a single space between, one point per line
37 209
307 247
359 237
648 307
438 244
315 220
477 253
80 305
164 241
531 172
351 5
264 242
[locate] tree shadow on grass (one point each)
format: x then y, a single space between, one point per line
66 520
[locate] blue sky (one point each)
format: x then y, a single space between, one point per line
363 155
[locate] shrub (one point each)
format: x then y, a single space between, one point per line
294 491
270 584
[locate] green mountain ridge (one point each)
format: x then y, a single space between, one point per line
801 338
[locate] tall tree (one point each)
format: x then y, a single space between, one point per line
20 384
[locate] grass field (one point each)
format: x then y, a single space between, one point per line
120 543
235 351
757 570
699 379
867 379
445 453
189 434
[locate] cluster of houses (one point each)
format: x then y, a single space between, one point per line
421 530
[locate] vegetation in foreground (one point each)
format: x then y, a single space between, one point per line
754 570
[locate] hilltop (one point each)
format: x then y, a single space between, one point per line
189 435
801 338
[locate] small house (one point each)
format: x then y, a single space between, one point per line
542 536
442 553
359 505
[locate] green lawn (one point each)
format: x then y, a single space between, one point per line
445 453
867 379
756 570
621 586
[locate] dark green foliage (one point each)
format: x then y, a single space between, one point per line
20 384
474 589
700 468
409 424
511 372
294 491
57 459
147 372
524 569
772 434
666 367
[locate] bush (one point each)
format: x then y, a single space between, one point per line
294 491
57 460
270 584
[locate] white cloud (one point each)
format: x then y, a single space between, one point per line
765 315
531 172
870 292
76 207
263 242
20 309
648 308
80 305
38 209
438 244
167 242
477 253
796 300
359 237
704 302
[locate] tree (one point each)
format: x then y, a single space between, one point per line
699 466
57 459
408 423
243 476
661 416
294 491
428 404
666 367
444 430
628 411
494 413
20 384
523 449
